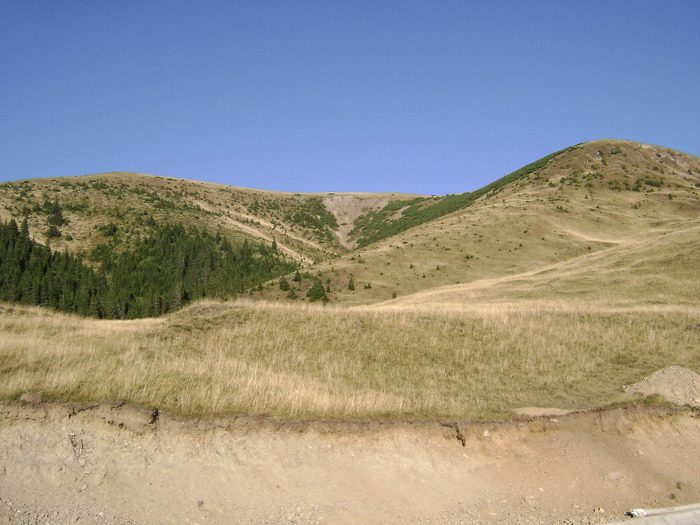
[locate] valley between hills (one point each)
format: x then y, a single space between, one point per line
446 354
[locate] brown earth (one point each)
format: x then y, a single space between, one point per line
346 208
117 464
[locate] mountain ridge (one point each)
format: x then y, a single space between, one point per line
585 197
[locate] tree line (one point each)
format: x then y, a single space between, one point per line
169 268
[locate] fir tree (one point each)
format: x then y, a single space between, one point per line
317 292
284 284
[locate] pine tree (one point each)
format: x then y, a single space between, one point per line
167 269
284 284
316 292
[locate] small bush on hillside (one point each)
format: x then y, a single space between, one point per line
53 232
317 292
108 230
657 183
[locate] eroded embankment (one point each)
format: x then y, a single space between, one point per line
117 464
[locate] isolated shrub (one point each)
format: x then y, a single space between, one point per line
108 230
55 213
351 284
53 232
317 292
284 285
297 277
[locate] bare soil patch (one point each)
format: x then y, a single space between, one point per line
348 207
675 384
117 464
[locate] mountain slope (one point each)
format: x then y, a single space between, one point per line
576 202
590 198
130 203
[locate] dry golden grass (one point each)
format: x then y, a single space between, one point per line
652 273
551 293
536 223
305 361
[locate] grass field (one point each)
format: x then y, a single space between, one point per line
294 361
554 291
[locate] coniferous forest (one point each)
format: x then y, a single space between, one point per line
169 268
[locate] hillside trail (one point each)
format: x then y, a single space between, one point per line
267 238
114 464
490 282
593 238
268 224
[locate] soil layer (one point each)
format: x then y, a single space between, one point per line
117 464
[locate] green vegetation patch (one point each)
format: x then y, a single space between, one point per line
313 214
171 267
379 225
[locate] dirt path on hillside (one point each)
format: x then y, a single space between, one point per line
115 464
491 282
267 224
588 237
268 238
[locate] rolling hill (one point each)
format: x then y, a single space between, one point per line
630 206
488 337
588 205
577 274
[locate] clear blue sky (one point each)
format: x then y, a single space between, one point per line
428 97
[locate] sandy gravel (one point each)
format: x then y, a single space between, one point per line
116 464
676 384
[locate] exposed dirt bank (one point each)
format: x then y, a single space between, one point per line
116 464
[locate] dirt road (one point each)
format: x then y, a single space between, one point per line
116 464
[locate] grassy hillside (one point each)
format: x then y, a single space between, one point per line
401 215
580 200
98 208
555 288
589 199
655 271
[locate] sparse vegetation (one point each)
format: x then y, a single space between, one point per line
551 268
317 292
382 224
284 285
